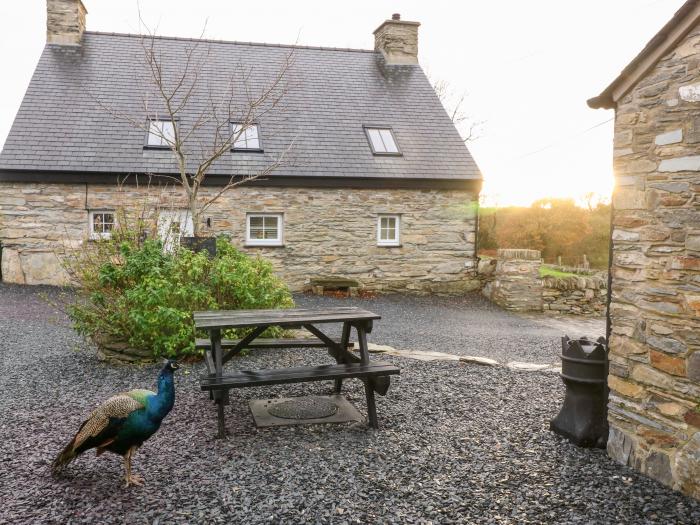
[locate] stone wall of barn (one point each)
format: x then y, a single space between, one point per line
327 232
654 407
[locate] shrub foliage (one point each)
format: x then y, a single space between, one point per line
135 292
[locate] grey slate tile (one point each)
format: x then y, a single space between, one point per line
60 124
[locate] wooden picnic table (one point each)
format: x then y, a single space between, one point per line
218 352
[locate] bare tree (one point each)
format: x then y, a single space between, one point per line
469 128
201 116
593 199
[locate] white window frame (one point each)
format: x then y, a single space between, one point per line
397 230
91 224
279 241
160 139
241 142
165 233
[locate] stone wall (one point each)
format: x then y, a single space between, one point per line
654 408
327 232
516 283
513 282
578 295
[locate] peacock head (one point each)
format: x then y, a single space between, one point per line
170 366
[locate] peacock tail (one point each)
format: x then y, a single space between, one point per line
100 428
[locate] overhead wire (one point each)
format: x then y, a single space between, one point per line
564 140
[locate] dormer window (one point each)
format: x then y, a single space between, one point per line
161 133
246 137
382 141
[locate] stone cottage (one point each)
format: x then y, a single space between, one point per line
383 191
654 408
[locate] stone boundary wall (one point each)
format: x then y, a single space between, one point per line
516 283
575 295
327 232
513 282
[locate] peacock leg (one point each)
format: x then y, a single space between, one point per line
131 479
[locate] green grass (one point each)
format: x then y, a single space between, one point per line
546 271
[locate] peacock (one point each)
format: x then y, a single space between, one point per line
122 423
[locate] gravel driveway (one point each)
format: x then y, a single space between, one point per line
459 443
469 325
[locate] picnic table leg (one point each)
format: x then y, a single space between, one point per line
371 405
344 340
369 383
220 397
362 343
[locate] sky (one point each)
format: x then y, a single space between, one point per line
526 68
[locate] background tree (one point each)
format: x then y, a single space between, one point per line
177 89
469 127
556 227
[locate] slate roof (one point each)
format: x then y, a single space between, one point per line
686 19
61 125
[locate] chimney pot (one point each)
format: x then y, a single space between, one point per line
397 40
65 21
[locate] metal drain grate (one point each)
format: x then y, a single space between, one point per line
308 410
312 407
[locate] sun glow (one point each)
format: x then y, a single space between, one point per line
571 169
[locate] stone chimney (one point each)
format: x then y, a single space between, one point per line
65 21
397 40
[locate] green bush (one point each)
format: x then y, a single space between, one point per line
134 292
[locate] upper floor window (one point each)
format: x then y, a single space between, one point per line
389 230
264 229
161 133
246 138
101 224
382 141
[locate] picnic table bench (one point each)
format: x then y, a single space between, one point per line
218 352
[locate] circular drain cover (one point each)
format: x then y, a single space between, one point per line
304 408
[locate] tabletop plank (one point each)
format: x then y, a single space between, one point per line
289 317
276 311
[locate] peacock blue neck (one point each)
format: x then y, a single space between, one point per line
164 401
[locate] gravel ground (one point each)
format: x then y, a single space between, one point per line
469 325
459 443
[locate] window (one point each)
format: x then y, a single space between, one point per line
161 133
101 224
249 138
382 141
388 230
264 229
173 225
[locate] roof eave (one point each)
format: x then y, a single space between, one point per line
83 177
666 39
602 101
